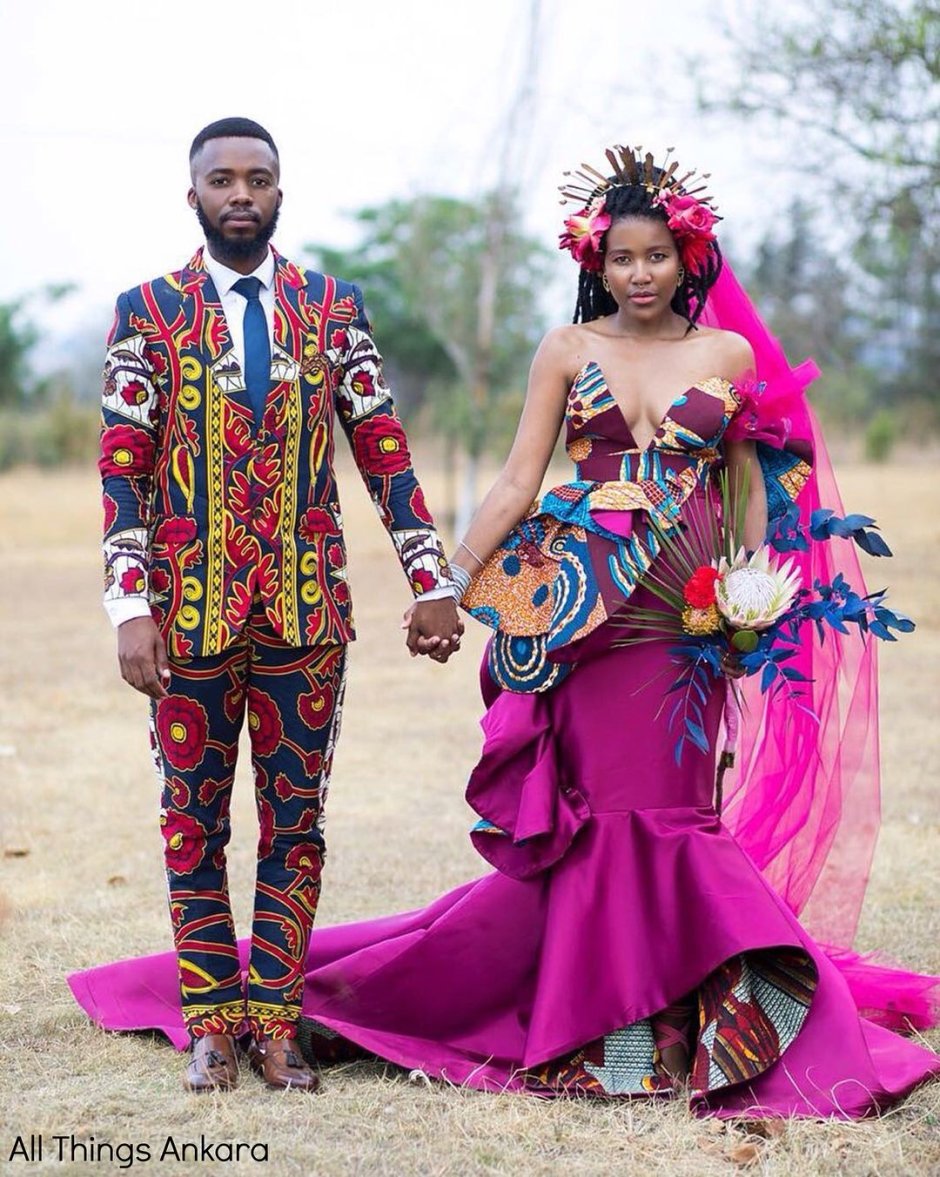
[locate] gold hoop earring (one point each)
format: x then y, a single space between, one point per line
680 277
605 283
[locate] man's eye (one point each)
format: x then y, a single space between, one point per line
261 182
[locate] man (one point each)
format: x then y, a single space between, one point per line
225 576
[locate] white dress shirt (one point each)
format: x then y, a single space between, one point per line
233 303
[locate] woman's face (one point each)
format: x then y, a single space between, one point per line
642 266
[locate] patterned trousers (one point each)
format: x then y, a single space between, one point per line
293 700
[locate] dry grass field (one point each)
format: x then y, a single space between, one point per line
81 880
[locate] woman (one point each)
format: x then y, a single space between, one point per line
626 944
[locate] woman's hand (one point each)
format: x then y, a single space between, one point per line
731 665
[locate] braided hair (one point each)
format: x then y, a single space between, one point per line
635 200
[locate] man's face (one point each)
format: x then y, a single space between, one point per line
235 195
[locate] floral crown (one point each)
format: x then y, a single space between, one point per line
690 217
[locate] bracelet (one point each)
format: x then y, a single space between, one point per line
461 578
471 552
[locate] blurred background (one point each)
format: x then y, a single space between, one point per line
422 144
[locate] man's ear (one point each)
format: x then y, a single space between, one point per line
280 197
191 199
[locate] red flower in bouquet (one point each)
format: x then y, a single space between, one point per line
699 590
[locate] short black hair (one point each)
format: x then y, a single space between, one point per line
234 128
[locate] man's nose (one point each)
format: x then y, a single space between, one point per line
241 194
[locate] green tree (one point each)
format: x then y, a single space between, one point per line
452 289
18 336
858 82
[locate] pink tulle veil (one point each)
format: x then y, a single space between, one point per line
804 799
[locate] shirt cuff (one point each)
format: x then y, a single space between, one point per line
126 609
437 594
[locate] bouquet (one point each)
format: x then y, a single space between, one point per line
748 612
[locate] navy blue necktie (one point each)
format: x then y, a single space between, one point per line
257 347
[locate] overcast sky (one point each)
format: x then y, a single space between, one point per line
367 101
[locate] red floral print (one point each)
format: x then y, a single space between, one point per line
306 860
419 507
133 581
315 707
380 446
134 392
264 722
422 581
110 512
159 580
314 522
185 841
175 531
125 450
182 725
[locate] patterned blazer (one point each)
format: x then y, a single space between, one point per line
203 514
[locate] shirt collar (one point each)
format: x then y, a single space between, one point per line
224 278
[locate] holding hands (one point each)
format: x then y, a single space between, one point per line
434 628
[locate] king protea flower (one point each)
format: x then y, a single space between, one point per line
753 593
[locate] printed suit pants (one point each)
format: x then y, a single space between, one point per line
293 700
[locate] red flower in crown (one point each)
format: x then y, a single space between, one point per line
582 236
691 223
699 590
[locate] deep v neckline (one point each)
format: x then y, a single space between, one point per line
680 396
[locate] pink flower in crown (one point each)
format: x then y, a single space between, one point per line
691 223
582 236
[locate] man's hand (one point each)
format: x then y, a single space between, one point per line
142 657
434 628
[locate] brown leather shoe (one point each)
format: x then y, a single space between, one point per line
279 1062
213 1066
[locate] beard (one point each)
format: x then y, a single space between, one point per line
239 249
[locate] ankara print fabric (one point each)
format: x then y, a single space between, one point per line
201 510
580 553
292 701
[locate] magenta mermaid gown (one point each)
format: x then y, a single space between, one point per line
617 888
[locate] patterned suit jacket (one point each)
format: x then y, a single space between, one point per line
202 513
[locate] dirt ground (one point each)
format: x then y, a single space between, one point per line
81 880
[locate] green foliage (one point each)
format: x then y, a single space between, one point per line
449 286
17 339
60 432
856 84
880 436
